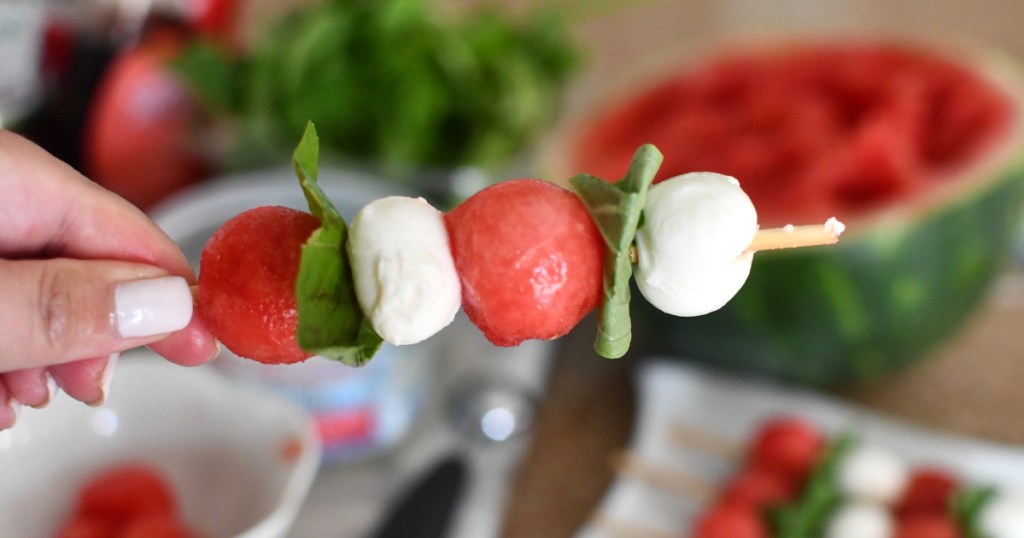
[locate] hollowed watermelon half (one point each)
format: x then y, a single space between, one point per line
917 151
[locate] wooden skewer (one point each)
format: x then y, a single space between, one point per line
671 480
797 236
630 529
705 441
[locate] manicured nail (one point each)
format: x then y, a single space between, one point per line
154 306
106 379
51 387
51 390
15 407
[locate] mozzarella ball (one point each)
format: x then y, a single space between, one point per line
872 474
1003 516
860 520
402 266
691 256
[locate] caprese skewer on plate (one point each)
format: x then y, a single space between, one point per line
794 481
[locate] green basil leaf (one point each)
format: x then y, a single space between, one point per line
809 515
395 82
331 323
306 161
212 76
617 210
967 506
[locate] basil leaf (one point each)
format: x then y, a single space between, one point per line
394 82
617 210
305 161
212 76
967 507
821 496
331 323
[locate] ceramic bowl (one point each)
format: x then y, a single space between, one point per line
240 460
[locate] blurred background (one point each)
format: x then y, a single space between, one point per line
190 109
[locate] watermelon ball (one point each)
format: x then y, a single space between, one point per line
788 447
927 526
87 527
757 488
730 521
124 492
529 257
156 526
691 255
247 274
928 491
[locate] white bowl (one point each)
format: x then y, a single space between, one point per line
241 461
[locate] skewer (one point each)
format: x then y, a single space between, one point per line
630 529
790 236
671 480
706 441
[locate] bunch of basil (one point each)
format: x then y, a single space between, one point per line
390 82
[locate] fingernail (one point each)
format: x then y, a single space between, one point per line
15 407
51 386
153 306
51 390
107 379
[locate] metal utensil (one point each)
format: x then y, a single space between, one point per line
425 509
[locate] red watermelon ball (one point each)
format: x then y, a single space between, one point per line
247 274
529 258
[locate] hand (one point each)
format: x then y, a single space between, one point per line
84 275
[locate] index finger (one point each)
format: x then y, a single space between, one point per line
49 209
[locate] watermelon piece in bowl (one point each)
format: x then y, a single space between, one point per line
917 148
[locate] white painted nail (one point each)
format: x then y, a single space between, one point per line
51 389
107 379
154 306
15 407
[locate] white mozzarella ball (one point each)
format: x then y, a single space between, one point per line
860 520
873 474
690 248
403 270
1003 516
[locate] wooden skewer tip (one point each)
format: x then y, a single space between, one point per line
790 236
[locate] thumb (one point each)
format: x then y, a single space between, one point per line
59 310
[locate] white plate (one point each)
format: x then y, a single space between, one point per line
240 461
671 393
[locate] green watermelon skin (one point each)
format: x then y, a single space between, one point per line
873 303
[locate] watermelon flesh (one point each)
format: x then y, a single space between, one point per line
810 133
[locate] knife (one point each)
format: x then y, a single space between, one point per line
425 509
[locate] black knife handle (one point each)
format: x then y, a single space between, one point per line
425 509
